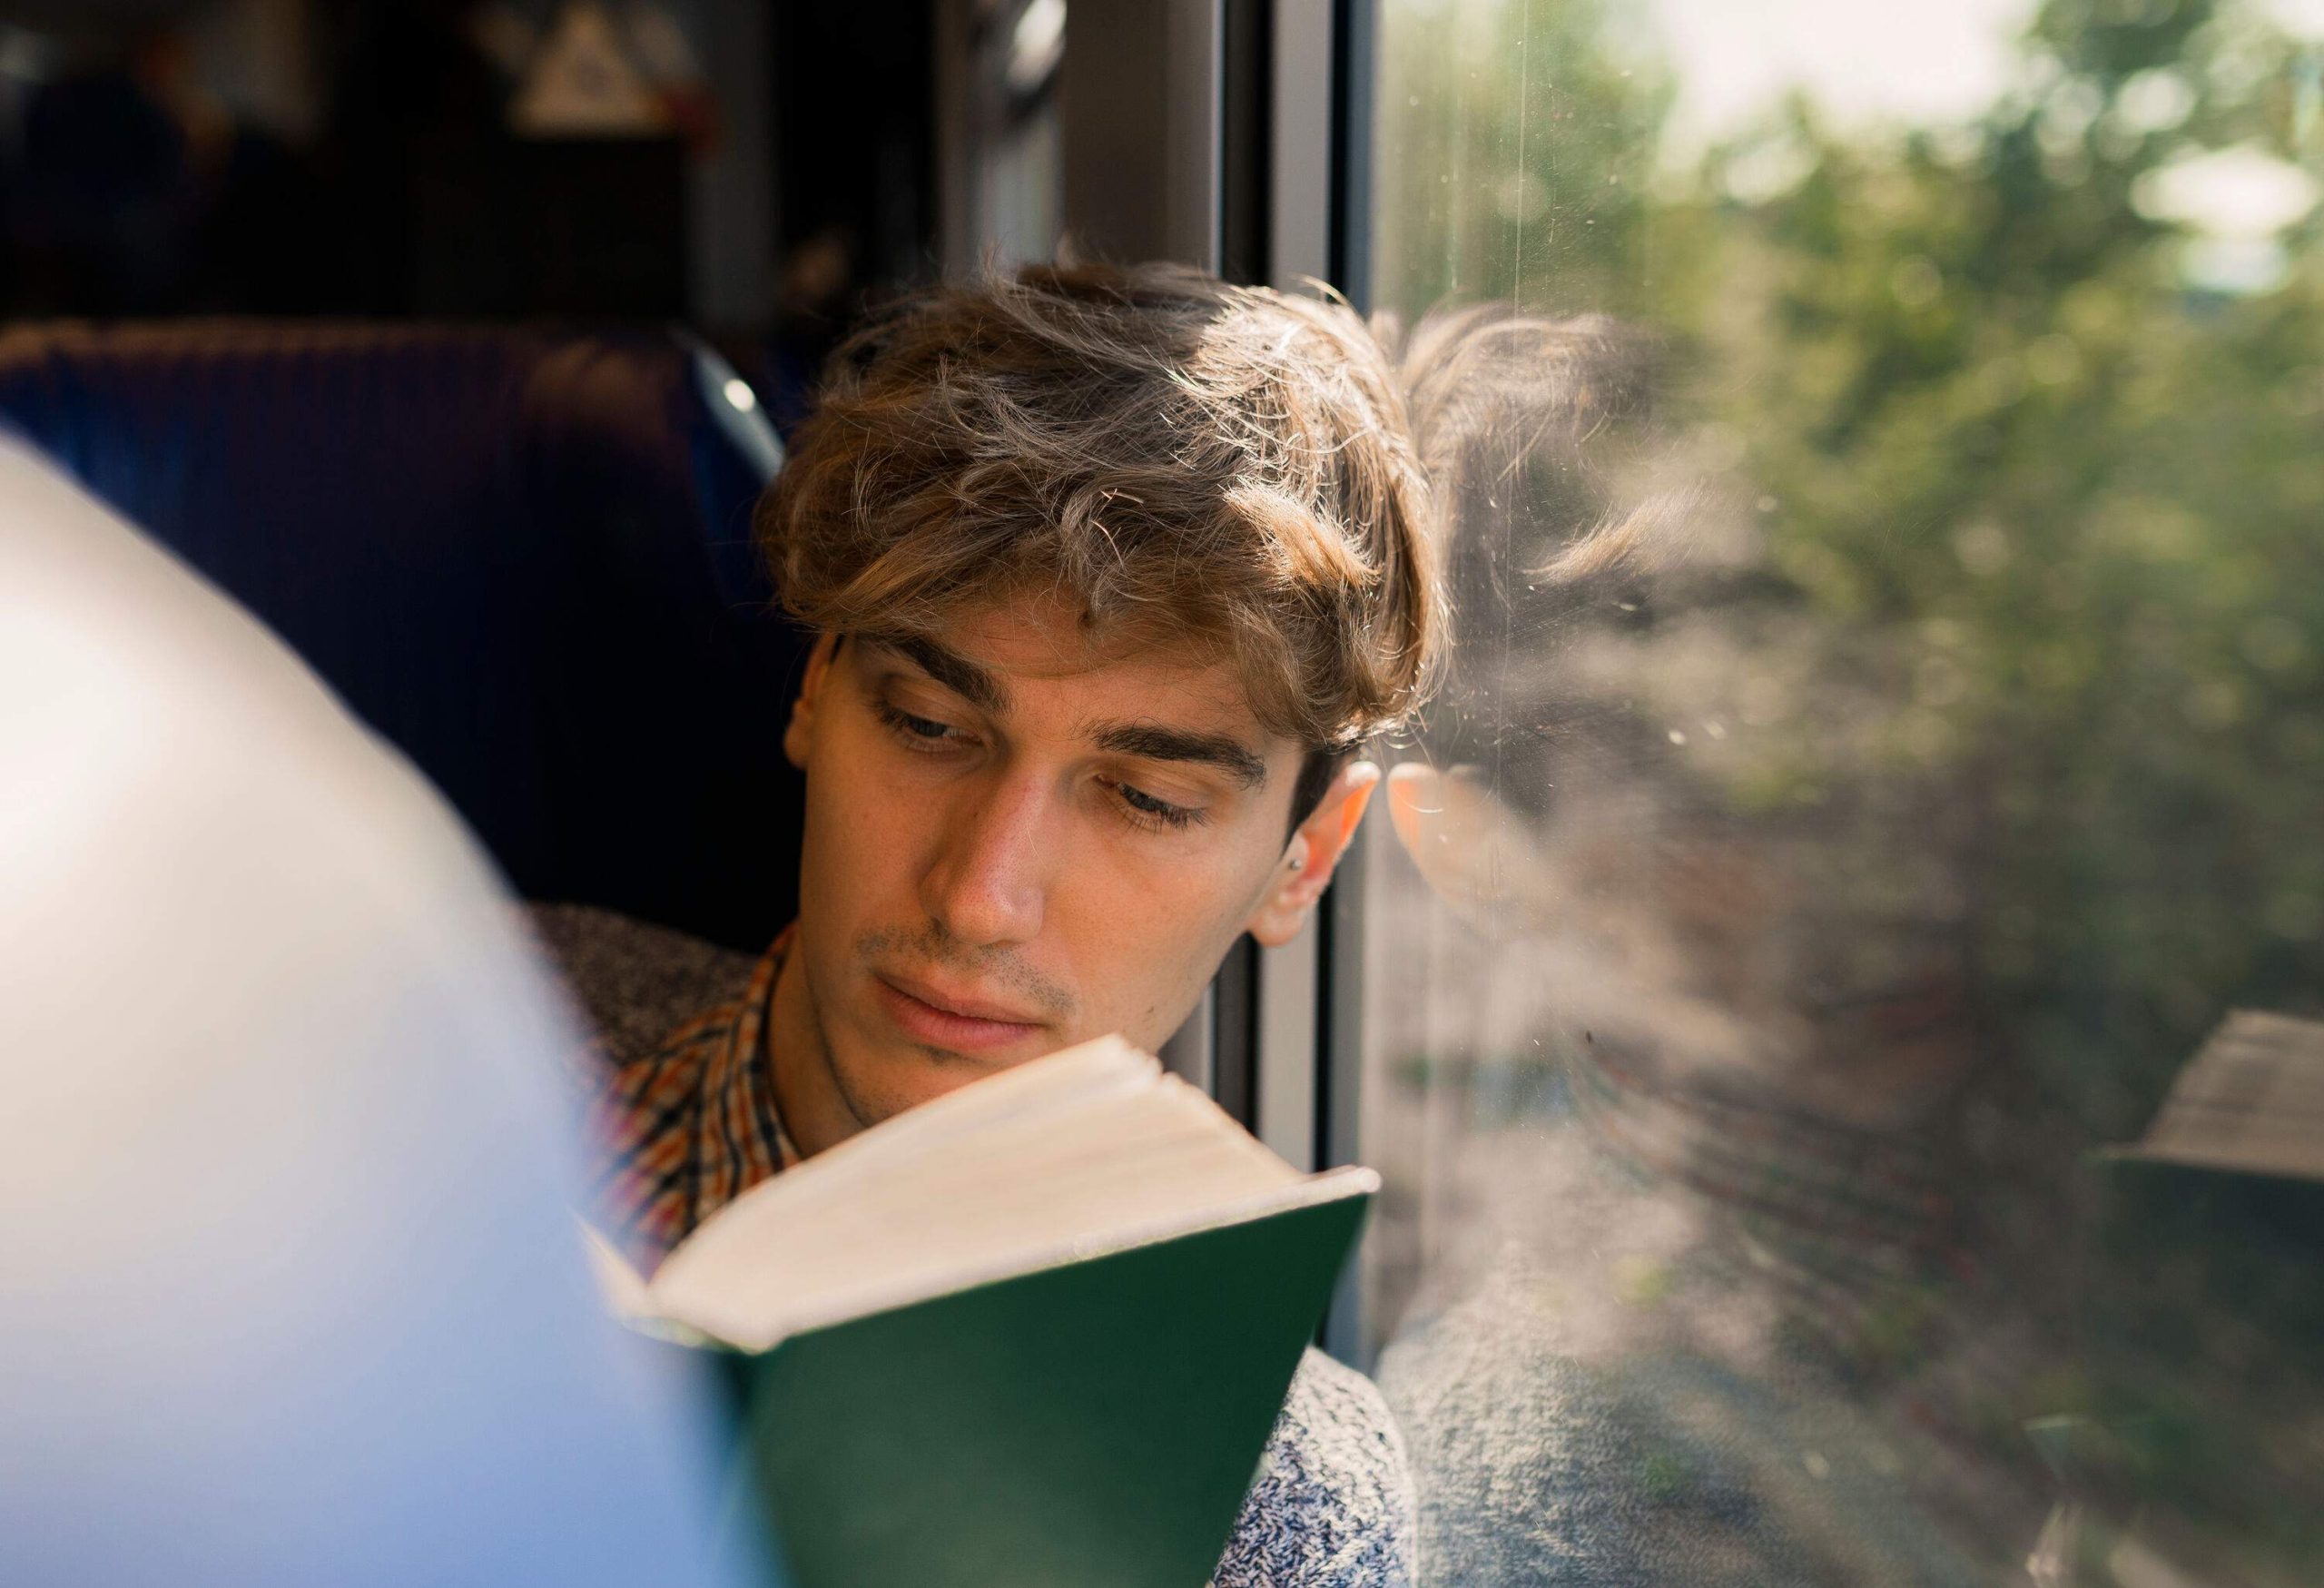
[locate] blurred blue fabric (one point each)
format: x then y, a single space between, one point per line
289 1291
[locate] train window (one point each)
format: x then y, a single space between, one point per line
1839 990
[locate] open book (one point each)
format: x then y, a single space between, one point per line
1035 1331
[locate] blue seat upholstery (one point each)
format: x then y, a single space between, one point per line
521 555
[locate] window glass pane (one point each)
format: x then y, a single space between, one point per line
1884 747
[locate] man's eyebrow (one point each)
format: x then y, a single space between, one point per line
952 670
1153 741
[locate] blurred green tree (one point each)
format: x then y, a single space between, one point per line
2010 451
2029 450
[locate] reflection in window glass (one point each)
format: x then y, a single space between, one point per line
1883 749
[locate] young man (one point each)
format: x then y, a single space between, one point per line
1113 571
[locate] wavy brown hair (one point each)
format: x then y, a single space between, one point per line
1192 464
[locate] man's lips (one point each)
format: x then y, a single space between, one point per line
955 1021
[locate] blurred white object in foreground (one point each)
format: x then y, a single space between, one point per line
288 1291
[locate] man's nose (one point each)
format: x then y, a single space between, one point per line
988 882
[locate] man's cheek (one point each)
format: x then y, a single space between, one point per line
870 849
1153 975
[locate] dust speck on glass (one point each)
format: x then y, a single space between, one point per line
1843 1011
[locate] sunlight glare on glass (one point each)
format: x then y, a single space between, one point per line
1036 45
2302 18
2243 193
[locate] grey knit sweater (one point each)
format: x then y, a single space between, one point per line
1332 1505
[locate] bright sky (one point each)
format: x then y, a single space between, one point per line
1923 62
1901 61
1894 61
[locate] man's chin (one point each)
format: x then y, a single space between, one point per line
887 1078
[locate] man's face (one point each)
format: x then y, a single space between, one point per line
1016 842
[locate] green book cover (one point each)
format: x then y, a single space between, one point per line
1035 1332
1096 1424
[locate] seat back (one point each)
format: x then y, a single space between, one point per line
521 555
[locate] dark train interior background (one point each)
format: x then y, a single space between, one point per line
751 171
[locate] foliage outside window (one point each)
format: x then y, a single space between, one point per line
1886 740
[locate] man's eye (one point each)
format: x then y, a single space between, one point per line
926 729
1153 811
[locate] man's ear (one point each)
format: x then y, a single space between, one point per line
1313 855
798 732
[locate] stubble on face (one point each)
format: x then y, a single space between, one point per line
897 948
800 1054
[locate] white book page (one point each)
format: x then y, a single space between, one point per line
1052 1160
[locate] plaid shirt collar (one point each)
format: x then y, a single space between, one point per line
684 1128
